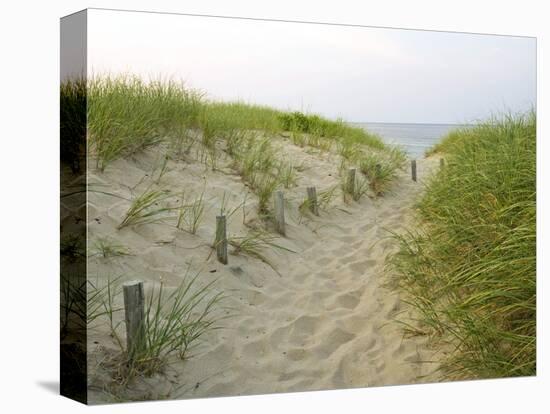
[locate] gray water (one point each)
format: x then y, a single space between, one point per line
413 138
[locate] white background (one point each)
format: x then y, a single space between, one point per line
29 230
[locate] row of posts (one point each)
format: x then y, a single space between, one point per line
133 290
279 209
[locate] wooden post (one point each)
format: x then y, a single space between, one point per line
441 163
280 212
350 184
312 200
134 316
221 239
413 169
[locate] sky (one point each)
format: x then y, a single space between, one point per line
360 74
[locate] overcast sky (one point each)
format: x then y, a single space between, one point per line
357 73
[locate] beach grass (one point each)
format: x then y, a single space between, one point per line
381 168
175 321
147 208
324 200
108 248
318 127
175 318
470 267
191 213
126 114
286 171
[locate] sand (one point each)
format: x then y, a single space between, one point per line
322 320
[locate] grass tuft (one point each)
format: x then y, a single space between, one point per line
175 319
107 248
324 200
146 208
381 168
190 214
127 114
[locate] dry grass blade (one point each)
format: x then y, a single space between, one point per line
174 322
107 248
190 215
146 208
255 243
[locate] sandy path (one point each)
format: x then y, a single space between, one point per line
325 322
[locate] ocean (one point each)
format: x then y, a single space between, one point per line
413 138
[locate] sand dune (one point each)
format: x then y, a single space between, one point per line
321 320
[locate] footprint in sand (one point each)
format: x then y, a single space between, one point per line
357 245
353 370
296 333
323 261
316 299
342 250
397 351
346 239
255 349
301 278
254 297
347 259
332 341
350 300
361 266
219 356
297 354
371 346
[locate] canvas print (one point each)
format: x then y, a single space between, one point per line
253 206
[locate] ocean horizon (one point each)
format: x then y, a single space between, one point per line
414 138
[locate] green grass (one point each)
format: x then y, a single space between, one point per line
264 186
324 200
108 248
298 138
255 156
174 321
321 127
101 304
470 267
287 174
126 114
147 208
191 213
381 168
456 136
355 190
349 150
243 116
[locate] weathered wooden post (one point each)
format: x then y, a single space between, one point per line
350 184
441 163
280 212
221 239
134 316
312 200
413 169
